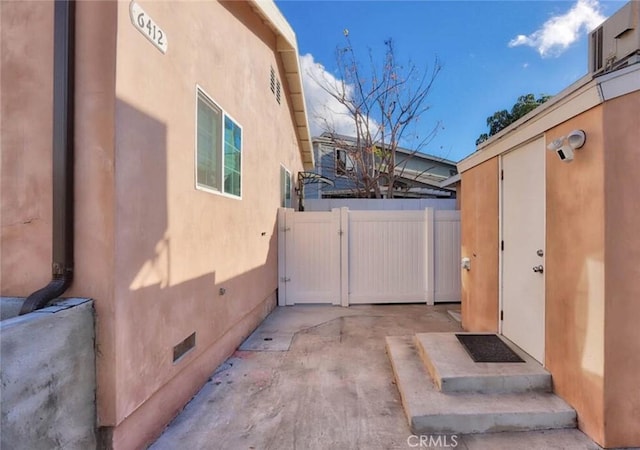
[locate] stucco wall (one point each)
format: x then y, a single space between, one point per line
479 236
150 249
622 289
575 272
95 212
26 131
176 246
26 55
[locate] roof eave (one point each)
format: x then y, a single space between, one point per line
287 47
579 96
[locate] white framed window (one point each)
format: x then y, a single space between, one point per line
344 163
218 149
285 187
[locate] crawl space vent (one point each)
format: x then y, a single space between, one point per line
183 347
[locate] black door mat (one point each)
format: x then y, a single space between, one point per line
487 348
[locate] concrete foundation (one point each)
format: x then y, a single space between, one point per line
48 376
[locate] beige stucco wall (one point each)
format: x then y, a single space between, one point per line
26 56
177 246
574 272
27 84
479 240
622 289
150 249
591 287
95 244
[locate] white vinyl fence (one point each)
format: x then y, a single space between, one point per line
379 204
345 257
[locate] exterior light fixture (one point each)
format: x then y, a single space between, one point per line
565 145
576 139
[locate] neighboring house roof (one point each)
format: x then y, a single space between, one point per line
328 138
450 181
419 178
417 182
287 46
425 156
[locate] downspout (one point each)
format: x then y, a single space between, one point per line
62 159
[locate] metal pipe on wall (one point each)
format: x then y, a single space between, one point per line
63 158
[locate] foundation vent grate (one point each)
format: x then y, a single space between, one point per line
183 347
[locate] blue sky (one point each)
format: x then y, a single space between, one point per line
491 52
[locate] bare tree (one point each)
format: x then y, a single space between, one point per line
384 106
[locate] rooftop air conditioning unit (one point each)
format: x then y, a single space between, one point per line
616 43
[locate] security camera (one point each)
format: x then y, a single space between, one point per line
565 153
564 146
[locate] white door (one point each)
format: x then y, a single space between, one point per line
523 222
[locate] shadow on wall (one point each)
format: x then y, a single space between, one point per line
134 197
177 335
142 202
168 316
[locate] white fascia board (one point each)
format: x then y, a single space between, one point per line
620 82
577 98
270 12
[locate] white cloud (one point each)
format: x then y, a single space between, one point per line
560 31
324 110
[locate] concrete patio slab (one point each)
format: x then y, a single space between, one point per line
333 388
277 330
267 341
455 315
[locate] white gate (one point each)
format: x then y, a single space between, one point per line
309 272
348 257
388 256
446 264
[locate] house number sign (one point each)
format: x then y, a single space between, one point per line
148 27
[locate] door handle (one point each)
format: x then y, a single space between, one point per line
538 269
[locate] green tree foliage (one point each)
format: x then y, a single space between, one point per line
502 119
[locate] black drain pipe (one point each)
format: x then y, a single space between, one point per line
63 161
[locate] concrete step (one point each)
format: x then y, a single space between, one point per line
453 370
429 410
